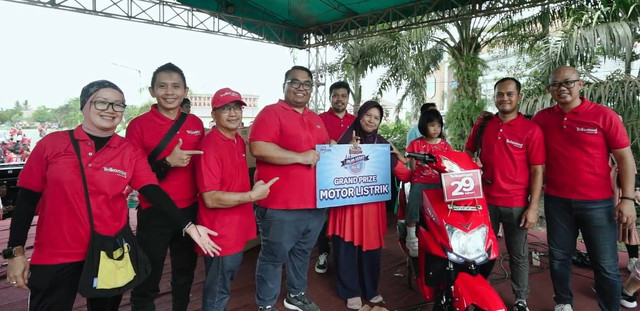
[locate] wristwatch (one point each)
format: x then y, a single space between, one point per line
13 252
165 166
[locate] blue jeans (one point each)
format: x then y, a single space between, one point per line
286 236
220 272
595 219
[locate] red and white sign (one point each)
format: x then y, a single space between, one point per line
462 186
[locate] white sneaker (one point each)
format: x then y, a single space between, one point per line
563 307
412 246
321 264
632 263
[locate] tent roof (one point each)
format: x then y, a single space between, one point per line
302 23
293 23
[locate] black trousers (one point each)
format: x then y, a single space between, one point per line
156 233
54 288
323 240
357 271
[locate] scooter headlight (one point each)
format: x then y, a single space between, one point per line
467 246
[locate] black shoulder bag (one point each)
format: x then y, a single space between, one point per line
158 169
481 127
114 264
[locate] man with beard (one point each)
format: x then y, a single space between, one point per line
511 150
337 119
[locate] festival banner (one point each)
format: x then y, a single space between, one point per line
346 175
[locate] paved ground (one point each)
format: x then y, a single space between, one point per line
393 285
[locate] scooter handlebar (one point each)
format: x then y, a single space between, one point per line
422 157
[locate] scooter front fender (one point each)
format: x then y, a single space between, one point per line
476 290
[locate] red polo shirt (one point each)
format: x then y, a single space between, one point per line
146 131
299 132
224 168
508 152
336 125
62 232
423 173
578 144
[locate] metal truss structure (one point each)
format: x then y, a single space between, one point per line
172 13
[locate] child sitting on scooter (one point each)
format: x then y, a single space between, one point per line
423 177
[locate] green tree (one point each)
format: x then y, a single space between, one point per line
69 114
43 114
460 119
395 133
357 58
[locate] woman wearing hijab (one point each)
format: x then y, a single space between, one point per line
52 181
357 231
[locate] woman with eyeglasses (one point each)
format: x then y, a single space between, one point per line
51 181
357 231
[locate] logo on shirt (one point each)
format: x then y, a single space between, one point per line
194 132
118 172
587 130
515 144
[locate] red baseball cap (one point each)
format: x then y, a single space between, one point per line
224 97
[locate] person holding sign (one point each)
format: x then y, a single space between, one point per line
423 177
225 197
283 140
357 231
169 138
511 150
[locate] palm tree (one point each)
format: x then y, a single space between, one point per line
359 57
588 35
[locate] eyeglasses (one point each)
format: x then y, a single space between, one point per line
297 83
103 105
567 84
228 108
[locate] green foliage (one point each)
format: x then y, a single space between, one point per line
395 133
69 114
460 119
43 114
620 93
10 114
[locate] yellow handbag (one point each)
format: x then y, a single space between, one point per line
115 271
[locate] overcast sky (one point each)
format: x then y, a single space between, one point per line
48 55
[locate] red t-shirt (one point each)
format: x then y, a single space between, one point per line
422 173
62 232
146 131
578 144
224 168
336 125
299 132
508 152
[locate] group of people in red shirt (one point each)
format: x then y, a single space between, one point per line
187 177
567 148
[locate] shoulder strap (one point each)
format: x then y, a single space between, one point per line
481 127
167 137
76 147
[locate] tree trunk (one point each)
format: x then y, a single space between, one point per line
357 91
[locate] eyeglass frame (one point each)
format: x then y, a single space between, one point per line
291 82
112 104
236 107
556 85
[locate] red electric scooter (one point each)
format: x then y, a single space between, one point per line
456 244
